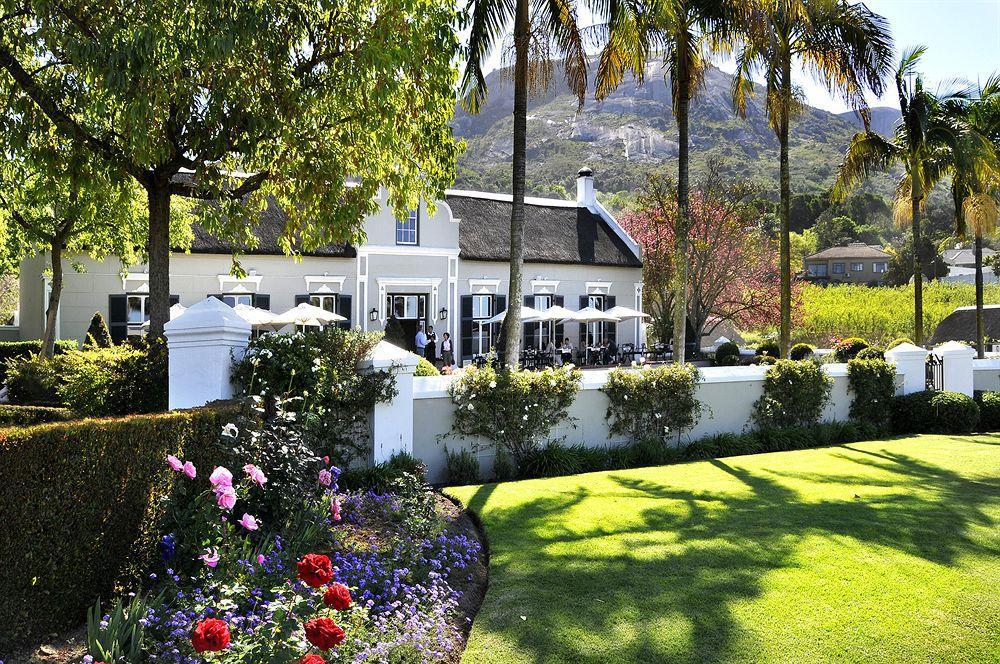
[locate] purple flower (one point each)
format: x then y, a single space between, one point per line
325 477
189 469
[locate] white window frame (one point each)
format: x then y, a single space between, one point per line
598 301
137 328
482 335
405 235
880 267
321 297
819 270
541 302
857 267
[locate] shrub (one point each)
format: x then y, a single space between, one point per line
28 415
727 354
425 368
33 380
897 342
461 467
382 476
848 349
934 412
654 402
514 410
873 382
768 360
316 373
552 460
871 353
18 349
795 394
120 380
98 334
989 410
80 504
769 348
801 352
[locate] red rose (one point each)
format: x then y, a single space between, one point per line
324 633
315 569
337 596
312 659
210 634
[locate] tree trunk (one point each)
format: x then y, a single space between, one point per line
786 195
52 311
980 324
512 321
158 248
918 276
683 208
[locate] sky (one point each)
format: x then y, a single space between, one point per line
962 39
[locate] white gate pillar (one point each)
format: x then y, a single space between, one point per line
392 421
202 344
956 369
911 362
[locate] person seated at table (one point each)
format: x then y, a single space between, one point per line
566 351
609 351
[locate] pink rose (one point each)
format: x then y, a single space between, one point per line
248 522
226 497
210 557
255 473
175 463
221 477
260 558
335 509
325 477
189 470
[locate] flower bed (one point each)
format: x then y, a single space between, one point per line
359 576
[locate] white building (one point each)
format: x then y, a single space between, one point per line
444 270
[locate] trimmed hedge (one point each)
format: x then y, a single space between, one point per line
873 384
80 504
727 354
27 415
13 349
934 412
801 352
848 349
989 410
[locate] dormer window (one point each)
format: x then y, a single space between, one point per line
407 228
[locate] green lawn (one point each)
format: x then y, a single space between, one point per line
871 552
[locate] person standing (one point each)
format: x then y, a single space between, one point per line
420 341
447 350
430 350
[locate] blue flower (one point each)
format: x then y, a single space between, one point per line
168 546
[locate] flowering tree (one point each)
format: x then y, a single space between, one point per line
733 267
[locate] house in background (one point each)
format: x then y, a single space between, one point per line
962 265
447 270
854 263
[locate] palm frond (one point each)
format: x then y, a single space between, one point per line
868 153
563 27
489 24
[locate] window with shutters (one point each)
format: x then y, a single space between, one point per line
482 309
138 312
232 299
327 302
595 331
544 330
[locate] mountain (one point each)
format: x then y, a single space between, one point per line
883 119
633 132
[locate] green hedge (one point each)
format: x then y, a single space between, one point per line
873 384
989 410
12 349
28 415
934 412
79 507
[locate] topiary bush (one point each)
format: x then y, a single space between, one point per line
848 349
769 348
98 334
934 412
81 504
461 467
727 354
989 410
425 368
873 384
768 360
871 353
801 352
656 403
795 394
898 342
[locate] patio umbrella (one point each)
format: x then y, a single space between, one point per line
307 314
528 315
257 317
589 315
624 313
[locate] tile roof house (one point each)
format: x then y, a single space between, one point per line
446 270
854 263
960 256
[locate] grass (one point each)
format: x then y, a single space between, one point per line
876 551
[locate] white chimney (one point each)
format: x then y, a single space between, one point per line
585 187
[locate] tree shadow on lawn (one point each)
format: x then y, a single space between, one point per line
618 592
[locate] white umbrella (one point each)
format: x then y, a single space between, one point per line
528 315
593 315
307 314
256 317
175 311
624 313
554 313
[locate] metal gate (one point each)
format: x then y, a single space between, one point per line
935 372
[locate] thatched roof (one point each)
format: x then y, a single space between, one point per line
960 325
555 232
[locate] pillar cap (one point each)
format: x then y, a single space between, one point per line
209 314
906 350
955 348
386 355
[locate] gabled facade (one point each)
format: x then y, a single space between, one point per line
447 270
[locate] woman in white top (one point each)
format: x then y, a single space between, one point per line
447 354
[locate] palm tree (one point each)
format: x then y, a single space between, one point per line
972 153
919 145
681 29
845 46
537 26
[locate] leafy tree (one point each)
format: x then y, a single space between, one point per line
538 27
733 273
681 29
844 45
56 197
900 271
802 244
804 210
832 231
315 106
917 144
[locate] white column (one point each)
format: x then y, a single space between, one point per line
202 343
392 421
956 361
911 362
